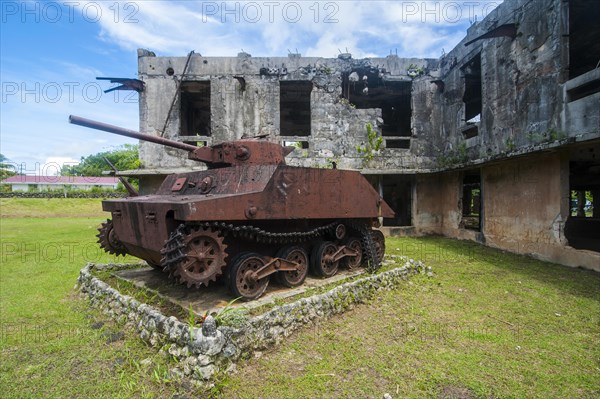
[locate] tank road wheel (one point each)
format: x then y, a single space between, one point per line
340 231
379 241
203 257
232 260
321 262
297 255
242 281
352 262
108 240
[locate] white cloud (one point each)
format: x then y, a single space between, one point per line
418 28
35 129
53 165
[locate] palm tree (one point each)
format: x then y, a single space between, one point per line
7 169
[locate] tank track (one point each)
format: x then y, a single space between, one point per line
368 244
108 240
173 251
260 235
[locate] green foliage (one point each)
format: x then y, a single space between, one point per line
160 374
228 316
347 103
453 157
6 169
124 157
548 136
510 144
413 70
374 143
191 322
327 165
554 135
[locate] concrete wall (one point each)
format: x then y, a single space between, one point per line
439 206
525 203
245 100
522 100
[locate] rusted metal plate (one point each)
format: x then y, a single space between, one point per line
179 184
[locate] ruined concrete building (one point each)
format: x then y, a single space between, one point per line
497 141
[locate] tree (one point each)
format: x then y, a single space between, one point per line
125 157
6 168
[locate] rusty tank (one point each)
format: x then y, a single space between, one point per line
247 218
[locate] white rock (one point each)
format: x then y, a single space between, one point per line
205 372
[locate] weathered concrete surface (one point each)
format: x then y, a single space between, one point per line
439 206
522 196
245 100
525 205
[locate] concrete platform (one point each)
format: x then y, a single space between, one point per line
216 296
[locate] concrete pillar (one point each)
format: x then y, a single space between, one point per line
580 203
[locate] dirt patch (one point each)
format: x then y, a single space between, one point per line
455 392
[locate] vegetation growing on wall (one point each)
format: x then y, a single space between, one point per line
548 136
374 144
453 157
413 70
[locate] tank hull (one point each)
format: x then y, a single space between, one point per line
280 195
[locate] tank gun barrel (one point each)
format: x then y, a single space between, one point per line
77 120
239 152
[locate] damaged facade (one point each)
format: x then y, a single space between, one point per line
497 141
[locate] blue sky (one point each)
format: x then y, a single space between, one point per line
52 51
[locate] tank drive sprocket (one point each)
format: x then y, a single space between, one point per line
373 246
379 241
108 240
195 255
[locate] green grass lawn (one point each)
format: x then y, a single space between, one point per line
487 325
50 207
52 345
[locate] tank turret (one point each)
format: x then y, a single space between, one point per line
246 219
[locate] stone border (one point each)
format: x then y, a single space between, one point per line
202 352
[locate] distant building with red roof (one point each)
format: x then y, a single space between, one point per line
44 183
